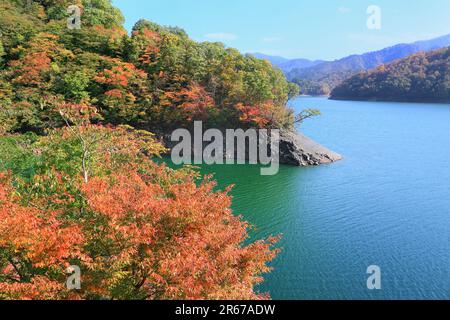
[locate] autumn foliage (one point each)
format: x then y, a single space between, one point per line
77 183
136 229
156 79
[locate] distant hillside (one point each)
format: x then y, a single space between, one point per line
275 60
287 65
421 77
331 74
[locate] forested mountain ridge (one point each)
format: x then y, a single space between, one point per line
330 74
420 77
287 65
156 79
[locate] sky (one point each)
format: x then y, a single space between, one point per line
312 29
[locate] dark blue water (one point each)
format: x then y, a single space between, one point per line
387 204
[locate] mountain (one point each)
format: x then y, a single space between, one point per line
287 65
333 73
290 65
275 60
422 77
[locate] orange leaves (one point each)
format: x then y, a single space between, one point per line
149 56
4 187
120 74
137 230
39 288
182 239
113 34
123 82
116 93
192 233
150 41
193 102
151 35
124 197
33 238
31 68
117 96
252 115
130 208
37 59
40 236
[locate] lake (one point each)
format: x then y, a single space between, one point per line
386 204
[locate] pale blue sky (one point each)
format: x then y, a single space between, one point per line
314 29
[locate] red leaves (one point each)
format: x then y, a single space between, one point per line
182 239
36 238
116 93
253 115
39 288
120 74
193 102
136 229
31 68
123 82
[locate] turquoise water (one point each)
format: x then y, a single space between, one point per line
387 204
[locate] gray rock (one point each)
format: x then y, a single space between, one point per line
295 149
299 150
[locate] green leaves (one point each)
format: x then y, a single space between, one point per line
307 114
75 85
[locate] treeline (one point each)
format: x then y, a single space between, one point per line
156 79
317 83
312 88
421 77
330 74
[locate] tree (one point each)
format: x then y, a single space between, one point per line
137 230
307 114
294 90
2 53
35 246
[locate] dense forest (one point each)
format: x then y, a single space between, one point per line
421 77
78 186
156 79
312 88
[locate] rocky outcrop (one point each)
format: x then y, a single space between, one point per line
299 150
295 149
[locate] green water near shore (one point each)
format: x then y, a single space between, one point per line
387 204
